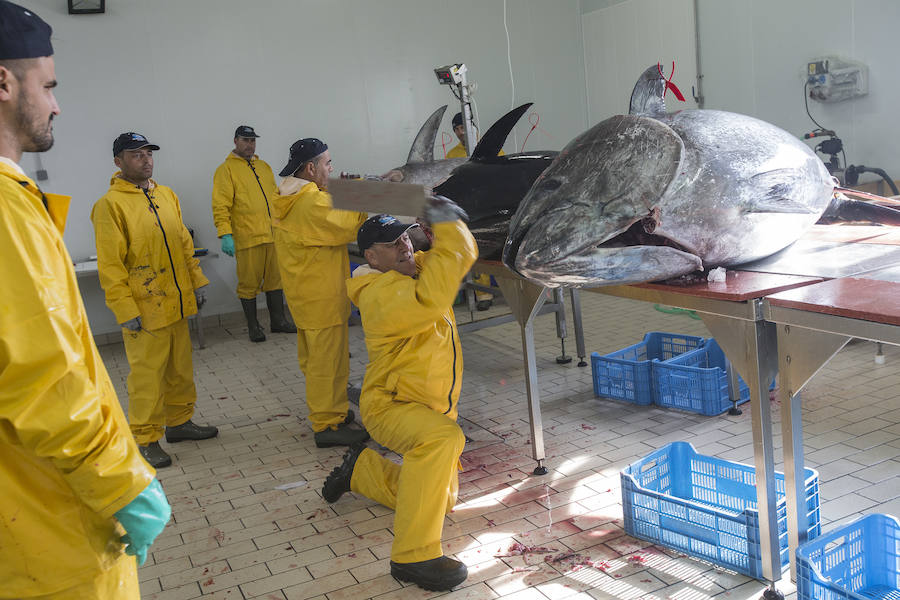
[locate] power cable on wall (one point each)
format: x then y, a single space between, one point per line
512 81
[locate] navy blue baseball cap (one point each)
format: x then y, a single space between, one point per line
245 131
23 34
131 141
381 229
303 151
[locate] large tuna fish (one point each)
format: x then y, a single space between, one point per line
490 187
649 196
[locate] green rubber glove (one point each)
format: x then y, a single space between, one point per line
144 518
228 244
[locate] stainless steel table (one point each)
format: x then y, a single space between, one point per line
813 324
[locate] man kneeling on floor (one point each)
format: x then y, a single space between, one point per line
411 387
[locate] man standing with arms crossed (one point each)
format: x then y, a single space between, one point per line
69 468
243 188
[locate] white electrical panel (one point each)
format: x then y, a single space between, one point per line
834 79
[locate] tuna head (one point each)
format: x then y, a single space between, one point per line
589 219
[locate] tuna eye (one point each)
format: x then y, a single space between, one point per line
548 185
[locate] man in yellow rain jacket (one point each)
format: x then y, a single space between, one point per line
69 468
411 388
311 241
153 283
483 299
243 187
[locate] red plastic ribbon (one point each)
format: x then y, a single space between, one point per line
669 84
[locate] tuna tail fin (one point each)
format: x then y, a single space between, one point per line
492 141
843 210
422 149
648 95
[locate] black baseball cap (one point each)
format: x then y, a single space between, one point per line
245 131
303 151
131 141
23 34
381 229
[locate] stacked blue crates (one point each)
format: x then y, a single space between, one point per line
668 369
626 374
858 561
706 507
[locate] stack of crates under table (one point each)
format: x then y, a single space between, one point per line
668 369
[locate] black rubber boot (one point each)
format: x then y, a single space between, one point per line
344 435
190 431
155 455
437 575
253 328
278 320
338 481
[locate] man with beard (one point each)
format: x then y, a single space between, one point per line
153 283
243 187
69 467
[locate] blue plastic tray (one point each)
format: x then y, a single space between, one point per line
696 381
706 507
858 561
626 374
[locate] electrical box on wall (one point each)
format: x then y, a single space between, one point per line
834 79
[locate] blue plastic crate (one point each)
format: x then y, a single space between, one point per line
706 507
696 381
860 560
626 374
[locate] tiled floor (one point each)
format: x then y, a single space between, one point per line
249 521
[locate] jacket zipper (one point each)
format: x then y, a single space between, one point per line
453 384
168 251
259 183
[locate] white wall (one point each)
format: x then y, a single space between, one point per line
355 73
753 59
622 39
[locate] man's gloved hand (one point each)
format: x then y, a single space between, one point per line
228 244
144 518
200 295
132 324
439 209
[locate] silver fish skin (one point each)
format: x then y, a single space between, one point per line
646 197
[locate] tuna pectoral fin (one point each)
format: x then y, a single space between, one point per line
611 266
770 193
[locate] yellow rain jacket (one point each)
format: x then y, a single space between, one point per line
67 458
459 151
311 242
145 255
411 336
241 197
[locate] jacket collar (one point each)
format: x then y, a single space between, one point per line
120 185
290 185
13 165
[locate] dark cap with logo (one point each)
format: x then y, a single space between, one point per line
380 229
245 131
131 141
23 34
303 151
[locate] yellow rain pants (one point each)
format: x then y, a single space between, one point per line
161 390
257 270
424 488
120 582
324 357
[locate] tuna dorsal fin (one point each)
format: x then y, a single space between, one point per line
492 141
648 95
422 149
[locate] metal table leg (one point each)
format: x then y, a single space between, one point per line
561 331
578 327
